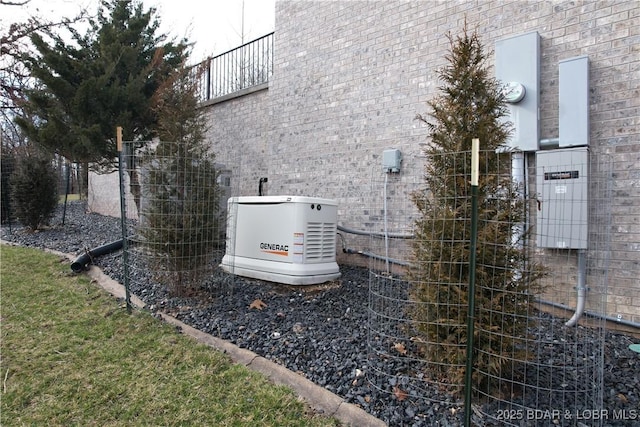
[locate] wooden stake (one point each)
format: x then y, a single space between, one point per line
119 138
475 157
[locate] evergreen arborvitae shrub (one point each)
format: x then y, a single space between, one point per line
470 105
7 165
180 218
181 223
34 191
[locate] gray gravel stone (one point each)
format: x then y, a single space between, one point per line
323 335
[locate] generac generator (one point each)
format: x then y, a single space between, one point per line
284 239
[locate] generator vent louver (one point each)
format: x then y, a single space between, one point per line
321 241
285 239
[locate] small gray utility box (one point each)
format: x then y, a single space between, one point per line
562 187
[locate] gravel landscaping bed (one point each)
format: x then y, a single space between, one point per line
321 332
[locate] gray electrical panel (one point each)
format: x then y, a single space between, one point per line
517 60
574 102
562 187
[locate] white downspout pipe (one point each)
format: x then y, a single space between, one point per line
581 288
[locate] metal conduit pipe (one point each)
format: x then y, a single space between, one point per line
370 255
599 316
374 256
372 234
581 280
581 285
386 233
80 264
549 303
549 143
581 288
541 301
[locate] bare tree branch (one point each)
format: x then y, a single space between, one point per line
14 77
13 3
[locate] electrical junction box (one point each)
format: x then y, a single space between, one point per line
562 187
284 239
391 160
573 102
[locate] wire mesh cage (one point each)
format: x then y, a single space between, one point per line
530 365
176 239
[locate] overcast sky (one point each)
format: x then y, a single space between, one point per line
214 25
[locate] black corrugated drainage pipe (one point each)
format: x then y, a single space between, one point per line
80 264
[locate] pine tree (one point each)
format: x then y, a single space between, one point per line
180 220
101 79
470 105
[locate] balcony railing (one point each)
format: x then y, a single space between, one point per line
241 68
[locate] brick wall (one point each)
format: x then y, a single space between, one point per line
349 78
239 131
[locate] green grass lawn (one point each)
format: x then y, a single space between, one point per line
72 356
